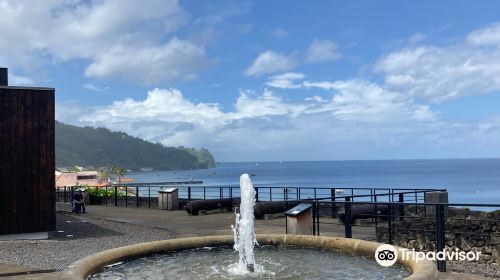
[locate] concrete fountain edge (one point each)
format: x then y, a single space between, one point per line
82 268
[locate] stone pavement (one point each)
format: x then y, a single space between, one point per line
14 270
181 224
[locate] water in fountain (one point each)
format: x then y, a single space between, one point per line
244 235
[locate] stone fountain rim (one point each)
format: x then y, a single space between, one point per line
83 268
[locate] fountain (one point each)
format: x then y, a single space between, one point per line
243 230
279 256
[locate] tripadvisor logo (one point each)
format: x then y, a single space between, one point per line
387 255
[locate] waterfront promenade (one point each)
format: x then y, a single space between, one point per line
109 227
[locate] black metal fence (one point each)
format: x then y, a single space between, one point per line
146 195
398 216
405 221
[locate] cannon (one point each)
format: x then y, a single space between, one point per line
365 211
193 207
272 207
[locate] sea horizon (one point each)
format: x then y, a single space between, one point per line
467 180
388 159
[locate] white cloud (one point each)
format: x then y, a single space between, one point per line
292 80
265 125
322 85
279 33
441 73
15 80
322 51
285 80
267 104
416 38
368 102
176 59
486 36
112 35
95 88
270 62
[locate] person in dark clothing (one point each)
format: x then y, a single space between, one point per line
78 201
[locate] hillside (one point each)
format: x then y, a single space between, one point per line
99 147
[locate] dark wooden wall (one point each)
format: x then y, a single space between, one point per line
27 198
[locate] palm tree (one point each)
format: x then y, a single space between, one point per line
104 174
119 172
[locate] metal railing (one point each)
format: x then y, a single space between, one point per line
146 195
395 221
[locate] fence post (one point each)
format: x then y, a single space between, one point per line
416 201
126 196
149 198
189 193
318 212
347 219
116 196
256 194
285 194
389 223
401 206
440 227
314 218
137 203
332 195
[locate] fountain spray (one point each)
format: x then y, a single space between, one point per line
243 230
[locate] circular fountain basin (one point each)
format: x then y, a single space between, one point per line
279 256
272 262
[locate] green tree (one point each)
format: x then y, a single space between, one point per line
89 146
74 169
119 172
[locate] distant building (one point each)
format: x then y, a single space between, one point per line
126 181
65 179
89 178
85 178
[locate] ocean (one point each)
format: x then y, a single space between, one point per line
467 180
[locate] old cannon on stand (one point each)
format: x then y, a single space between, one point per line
193 207
272 207
365 211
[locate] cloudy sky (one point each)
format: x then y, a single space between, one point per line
269 80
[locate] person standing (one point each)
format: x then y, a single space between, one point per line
79 202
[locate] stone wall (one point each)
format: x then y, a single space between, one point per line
464 230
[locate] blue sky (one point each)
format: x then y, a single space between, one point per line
270 80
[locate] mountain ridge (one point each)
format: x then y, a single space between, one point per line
100 147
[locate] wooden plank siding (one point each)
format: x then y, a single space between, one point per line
27 192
